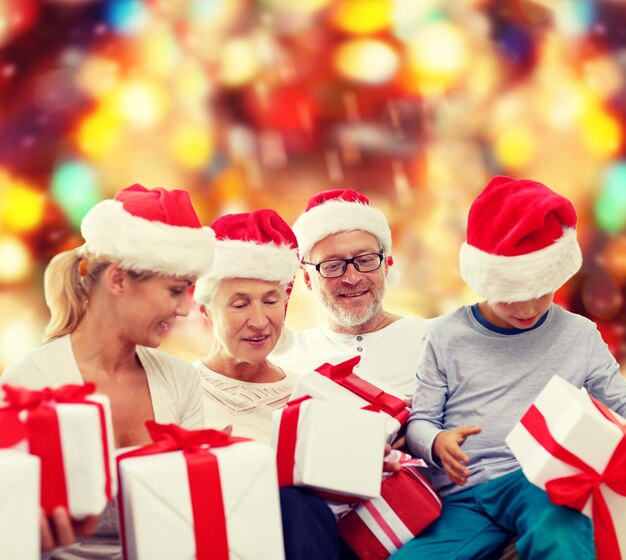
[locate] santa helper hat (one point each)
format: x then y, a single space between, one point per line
340 210
149 230
258 245
521 241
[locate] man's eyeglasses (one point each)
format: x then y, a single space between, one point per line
335 268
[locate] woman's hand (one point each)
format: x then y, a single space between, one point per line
60 530
447 448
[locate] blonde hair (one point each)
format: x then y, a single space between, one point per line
68 281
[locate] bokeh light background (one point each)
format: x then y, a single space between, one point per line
261 103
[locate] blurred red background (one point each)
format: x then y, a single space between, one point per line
262 103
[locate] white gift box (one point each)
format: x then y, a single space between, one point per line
338 449
576 424
19 506
157 511
83 450
319 386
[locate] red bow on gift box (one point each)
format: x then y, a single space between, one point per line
22 398
343 375
13 430
41 428
210 530
172 437
575 490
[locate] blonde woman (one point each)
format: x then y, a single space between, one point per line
112 300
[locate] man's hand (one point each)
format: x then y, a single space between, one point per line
400 442
60 530
447 448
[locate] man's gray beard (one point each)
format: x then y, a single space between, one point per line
349 317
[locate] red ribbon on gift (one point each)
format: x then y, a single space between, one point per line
210 531
287 440
575 490
41 428
380 401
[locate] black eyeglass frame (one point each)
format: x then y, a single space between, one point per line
346 262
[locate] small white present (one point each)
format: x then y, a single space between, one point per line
329 447
19 506
213 498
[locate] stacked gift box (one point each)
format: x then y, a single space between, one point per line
331 437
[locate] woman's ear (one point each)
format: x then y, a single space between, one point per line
115 279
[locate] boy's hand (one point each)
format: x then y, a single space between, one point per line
447 447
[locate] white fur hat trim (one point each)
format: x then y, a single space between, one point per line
145 245
505 279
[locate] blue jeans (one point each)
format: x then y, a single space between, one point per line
479 522
309 526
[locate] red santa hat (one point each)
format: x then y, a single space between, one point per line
521 241
149 230
258 245
339 210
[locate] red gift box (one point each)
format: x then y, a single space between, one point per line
376 528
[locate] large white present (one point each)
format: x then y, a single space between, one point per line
329 447
19 506
70 430
215 497
339 384
574 447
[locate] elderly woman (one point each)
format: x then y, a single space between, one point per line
244 299
112 300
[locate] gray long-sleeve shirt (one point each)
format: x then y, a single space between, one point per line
472 375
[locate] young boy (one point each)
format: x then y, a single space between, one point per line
484 364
